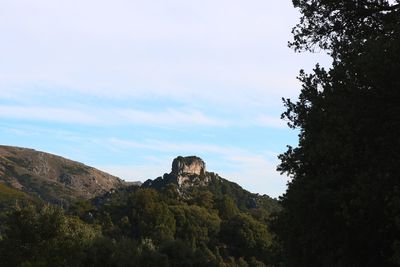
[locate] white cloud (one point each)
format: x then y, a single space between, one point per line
164 146
47 114
169 117
110 117
224 56
224 52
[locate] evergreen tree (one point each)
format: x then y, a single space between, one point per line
342 206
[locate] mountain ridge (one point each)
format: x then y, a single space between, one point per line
188 217
51 177
26 173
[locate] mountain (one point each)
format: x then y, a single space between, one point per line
30 174
190 176
188 217
27 174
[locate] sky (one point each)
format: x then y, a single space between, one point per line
126 86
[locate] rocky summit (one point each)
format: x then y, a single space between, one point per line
189 175
187 169
188 166
186 172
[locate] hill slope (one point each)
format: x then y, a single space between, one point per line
190 176
189 217
50 177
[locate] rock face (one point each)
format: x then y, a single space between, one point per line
187 168
186 172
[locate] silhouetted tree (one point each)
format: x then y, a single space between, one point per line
342 206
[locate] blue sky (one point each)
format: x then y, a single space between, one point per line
126 86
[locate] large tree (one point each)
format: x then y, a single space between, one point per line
342 206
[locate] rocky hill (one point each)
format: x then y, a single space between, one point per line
189 217
186 172
27 173
189 175
32 175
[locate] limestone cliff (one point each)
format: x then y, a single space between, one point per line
187 169
186 172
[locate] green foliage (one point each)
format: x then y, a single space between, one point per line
203 199
195 224
247 237
150 217
180 254
139 227
226 207
9 196
44 237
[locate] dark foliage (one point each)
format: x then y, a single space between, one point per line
342 207
139 227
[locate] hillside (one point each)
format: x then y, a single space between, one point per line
190 176
188 217
27 173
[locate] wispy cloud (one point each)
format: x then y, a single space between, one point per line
111 116
181 118
47 114
165 146
122 68
159 48
169 117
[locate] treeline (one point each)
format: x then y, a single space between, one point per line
139 227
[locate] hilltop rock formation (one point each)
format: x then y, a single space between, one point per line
186 169
189 175
186 172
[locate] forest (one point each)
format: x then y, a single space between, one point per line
342 204
136 226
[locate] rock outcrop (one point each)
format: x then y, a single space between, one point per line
186 172
187 169
189 175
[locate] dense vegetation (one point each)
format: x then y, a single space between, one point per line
136 226
342 207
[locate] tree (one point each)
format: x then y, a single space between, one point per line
342 206
195 225
247 237
151 217
44 236
341 26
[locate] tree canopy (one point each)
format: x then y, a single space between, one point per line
139 227
342 203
